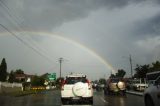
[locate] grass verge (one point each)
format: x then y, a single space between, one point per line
21 93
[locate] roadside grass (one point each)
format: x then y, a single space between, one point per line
20 93
16 92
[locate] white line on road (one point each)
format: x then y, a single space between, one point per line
104 100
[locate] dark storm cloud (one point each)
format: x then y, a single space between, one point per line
48 14
148 27
112 28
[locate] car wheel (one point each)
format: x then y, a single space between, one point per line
123 93
91 101
64 102
148 101
109 93
105 92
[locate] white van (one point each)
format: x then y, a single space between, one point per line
139 84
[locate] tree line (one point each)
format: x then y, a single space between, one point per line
142 70
5 76
11 77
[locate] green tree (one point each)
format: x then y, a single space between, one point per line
11 77
155 66
3 70
19 71
37 81
102 81
120 74
141 71
112 76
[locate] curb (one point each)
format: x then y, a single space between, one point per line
18 94
135 93
25 94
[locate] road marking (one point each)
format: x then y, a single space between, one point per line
104 100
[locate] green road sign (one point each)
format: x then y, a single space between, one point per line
52 76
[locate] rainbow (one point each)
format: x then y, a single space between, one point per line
67 40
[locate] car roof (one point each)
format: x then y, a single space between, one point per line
155 72
76 75
153 75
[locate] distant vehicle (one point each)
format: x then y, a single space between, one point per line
152 93
94 85
115 86
139 84
50 87
76 87
128 83
99 87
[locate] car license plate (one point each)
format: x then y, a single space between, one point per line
75 98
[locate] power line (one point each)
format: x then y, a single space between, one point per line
15 18
26 44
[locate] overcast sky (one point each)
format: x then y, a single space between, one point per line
94 37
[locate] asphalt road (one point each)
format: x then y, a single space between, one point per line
52 98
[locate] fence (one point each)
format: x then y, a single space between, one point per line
10 87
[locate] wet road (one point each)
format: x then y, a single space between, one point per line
52 98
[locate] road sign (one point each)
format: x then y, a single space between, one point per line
52 76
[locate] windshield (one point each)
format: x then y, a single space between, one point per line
153 76
73 80
114 80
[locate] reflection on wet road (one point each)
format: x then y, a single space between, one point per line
52 98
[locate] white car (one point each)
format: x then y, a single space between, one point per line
152 93
76 87
138 85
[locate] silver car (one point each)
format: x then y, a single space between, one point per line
115 86
152 93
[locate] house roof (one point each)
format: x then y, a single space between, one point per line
23 75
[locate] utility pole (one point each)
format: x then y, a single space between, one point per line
130 60
60 61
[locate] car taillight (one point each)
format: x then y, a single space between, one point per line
89 84
62 87
63 83
121 85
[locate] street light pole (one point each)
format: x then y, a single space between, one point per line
130 60
60 61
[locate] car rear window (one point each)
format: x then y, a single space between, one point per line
114 80
73 80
